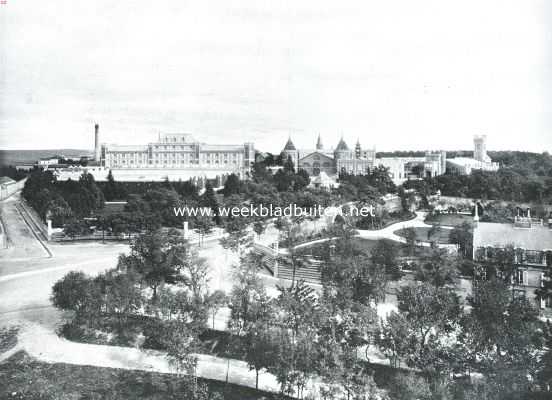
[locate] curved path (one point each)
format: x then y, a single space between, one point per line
385 233
53 349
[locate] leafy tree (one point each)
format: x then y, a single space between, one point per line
209 199
385 254
411 239
410 386
238 238
76 228
438 268
462 236
259 227
428 314
502 334
157 256
204 225
70 292
215 302
232 185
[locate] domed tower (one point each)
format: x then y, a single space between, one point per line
342 151
358 150
290 151
319 145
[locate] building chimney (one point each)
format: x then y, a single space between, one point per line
97 153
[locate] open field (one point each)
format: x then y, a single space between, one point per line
423 235
449 219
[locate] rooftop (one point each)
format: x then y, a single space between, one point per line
6 180
502 235
465 161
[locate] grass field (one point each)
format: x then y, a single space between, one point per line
440 236
449 219
21 377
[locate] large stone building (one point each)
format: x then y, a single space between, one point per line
359 161
172 156
331 162
480 160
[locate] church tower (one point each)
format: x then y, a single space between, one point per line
319 145
358 150
290 151
342 151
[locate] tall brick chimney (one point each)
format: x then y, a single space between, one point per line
97 146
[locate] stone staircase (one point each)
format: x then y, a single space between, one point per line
309 272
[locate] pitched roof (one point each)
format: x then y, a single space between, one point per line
341 146
289 145
6 180
502 235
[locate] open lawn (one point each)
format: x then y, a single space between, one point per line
449 219
424 235
21 377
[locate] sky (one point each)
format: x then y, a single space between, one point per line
396 74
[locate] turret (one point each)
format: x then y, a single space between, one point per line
290 151
358 150
342 150
319 145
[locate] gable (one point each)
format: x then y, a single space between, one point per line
316 157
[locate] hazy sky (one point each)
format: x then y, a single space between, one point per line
397 74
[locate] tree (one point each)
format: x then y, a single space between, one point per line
259 227
385 254
238 237
462 236
194 271
216 301
76 228
70 292
429 314
409 387
113 190
248 299
411 239
437 268
232 185
204 225
209 199
502 333
157 256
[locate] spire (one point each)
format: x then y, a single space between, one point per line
342 146
319 145
289 145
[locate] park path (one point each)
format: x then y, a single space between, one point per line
53 349
385 233
389 231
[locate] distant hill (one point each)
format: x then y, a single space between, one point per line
15 157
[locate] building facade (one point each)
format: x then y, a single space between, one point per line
480 161
359 161
524 248
332 161
173 157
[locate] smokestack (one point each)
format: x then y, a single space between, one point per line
97 143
